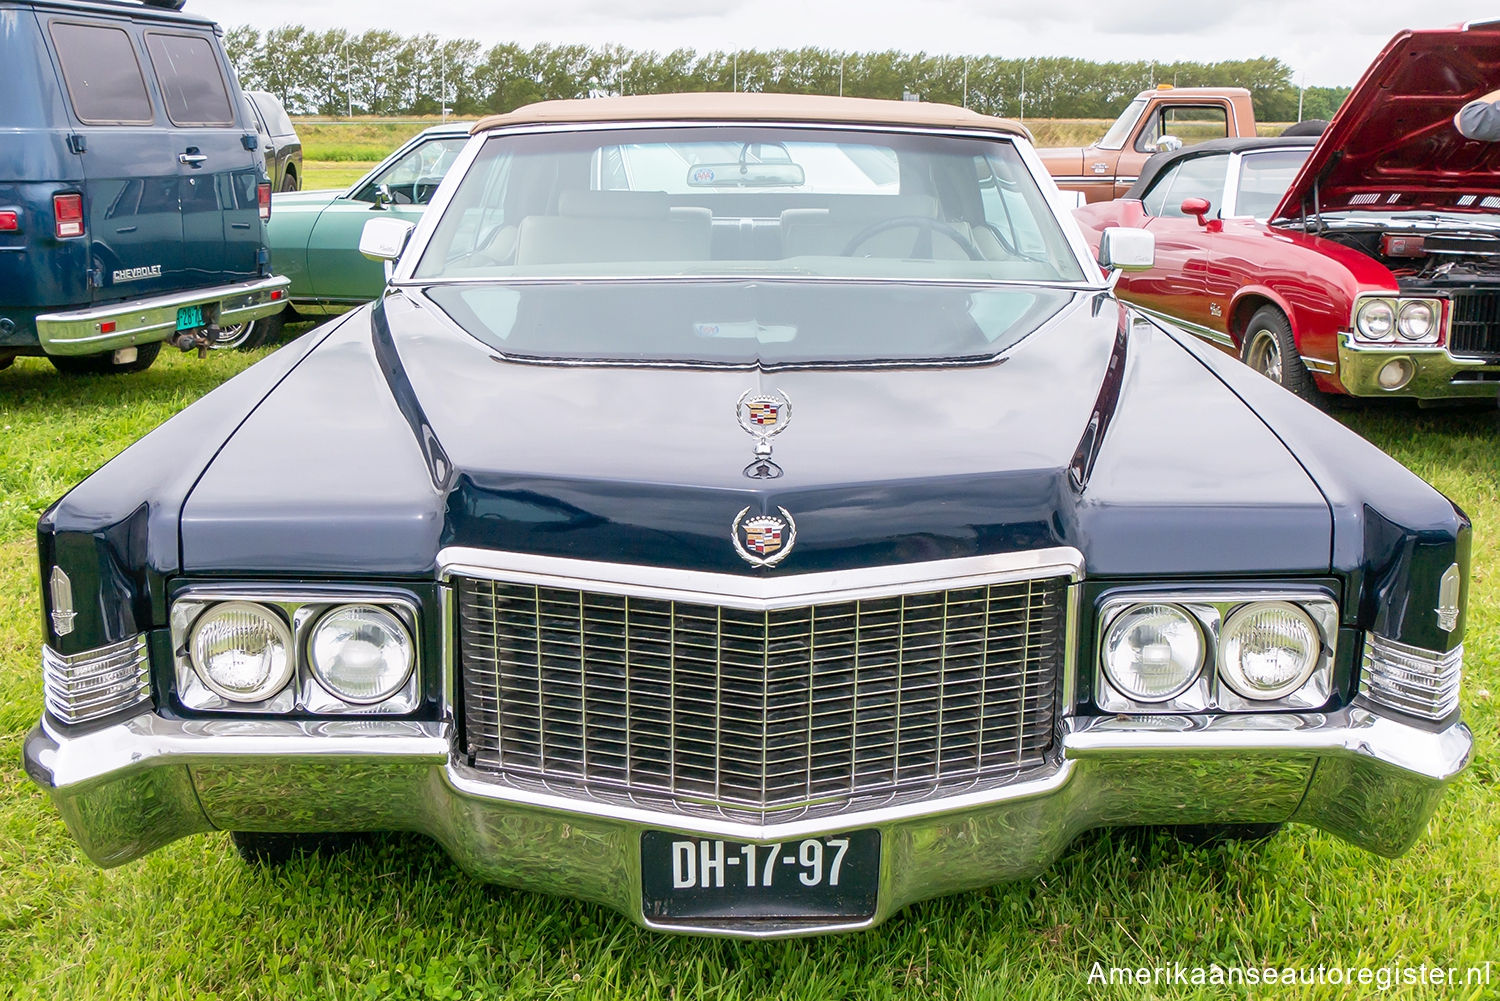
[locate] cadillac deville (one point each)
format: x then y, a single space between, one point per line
755 514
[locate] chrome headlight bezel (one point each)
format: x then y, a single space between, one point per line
1209 692
301 609
1389 320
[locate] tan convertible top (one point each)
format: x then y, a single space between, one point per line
750 107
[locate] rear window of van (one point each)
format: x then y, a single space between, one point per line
187 68
102 74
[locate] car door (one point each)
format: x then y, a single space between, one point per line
1184 124
130 198
1177 284
338 271
263 139
219 162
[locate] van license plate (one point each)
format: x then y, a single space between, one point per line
189 317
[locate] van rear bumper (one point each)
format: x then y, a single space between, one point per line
141 321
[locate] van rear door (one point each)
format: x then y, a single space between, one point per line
130 198
219 162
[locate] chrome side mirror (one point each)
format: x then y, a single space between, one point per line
383 197
1124 249
384 240
1167 144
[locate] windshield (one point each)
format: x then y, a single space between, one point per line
1264 178
751 201
1120 130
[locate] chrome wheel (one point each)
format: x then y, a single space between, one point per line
233 336
1265 355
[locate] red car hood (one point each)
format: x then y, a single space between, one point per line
1392 144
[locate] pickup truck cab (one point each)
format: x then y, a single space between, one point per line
133 195
1166 118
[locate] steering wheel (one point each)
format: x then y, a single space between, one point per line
926 225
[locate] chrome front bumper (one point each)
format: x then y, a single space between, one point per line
1437 374
141 321
135 786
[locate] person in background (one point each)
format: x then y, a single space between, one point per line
1480 118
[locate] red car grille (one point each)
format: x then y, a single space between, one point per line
1476 323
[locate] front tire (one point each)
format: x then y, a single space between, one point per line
104 364
1203 835
270 850
1269 348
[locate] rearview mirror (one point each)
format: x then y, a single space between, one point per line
745 175
384 240
1124 249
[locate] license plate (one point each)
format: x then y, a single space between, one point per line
836 876
189 317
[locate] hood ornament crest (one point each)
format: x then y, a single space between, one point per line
1447 610
62 602
764 416
764 540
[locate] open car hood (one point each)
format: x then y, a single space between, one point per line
1393 146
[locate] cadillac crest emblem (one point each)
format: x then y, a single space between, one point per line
764 416
1447 610
764 540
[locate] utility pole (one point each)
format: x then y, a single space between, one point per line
348 81
966 82
841 76
1301 92
443 84
1023 92
736 72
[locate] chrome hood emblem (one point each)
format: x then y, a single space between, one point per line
764 416
62 602
1447 610
764 540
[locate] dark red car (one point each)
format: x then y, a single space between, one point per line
1366 261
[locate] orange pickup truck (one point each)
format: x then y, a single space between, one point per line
1166 118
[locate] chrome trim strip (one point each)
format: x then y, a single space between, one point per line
1319 365
1196 330
757 593
72 683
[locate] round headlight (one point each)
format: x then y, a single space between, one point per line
242 651
361 653
1376 320
1153 652
1416 320
1270 649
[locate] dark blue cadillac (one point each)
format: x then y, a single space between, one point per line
754 514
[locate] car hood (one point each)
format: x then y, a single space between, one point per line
402 435
1392 144
302 199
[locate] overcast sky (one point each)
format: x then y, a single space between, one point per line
1326 42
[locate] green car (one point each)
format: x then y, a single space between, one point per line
314 235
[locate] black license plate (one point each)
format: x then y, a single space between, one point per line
836 876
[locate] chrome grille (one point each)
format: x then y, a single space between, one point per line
704 708
97 682
1416 681
1476 323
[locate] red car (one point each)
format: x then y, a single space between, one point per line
1366 261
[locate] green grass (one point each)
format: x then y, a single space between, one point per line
333 174
394 919
357 139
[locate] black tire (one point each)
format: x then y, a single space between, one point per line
1203 835
1269 348
1308 127
245 336
289 181
262 848
103 364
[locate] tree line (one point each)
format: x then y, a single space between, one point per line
384 73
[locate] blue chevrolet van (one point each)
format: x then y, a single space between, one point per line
133 193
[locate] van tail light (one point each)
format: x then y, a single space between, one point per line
10 221
263 196
68 210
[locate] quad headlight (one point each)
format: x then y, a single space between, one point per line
1398 319
242 651
361 653
1233 651
273 651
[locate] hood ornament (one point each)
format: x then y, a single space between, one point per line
1447 610
763 416
764 540
62 602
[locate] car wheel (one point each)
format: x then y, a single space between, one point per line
1269 348
245 336
104 364
262 848
289 182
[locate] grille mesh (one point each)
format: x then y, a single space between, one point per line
706 709
97 682
1476 323
1413 680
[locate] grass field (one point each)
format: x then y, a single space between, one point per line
394 919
